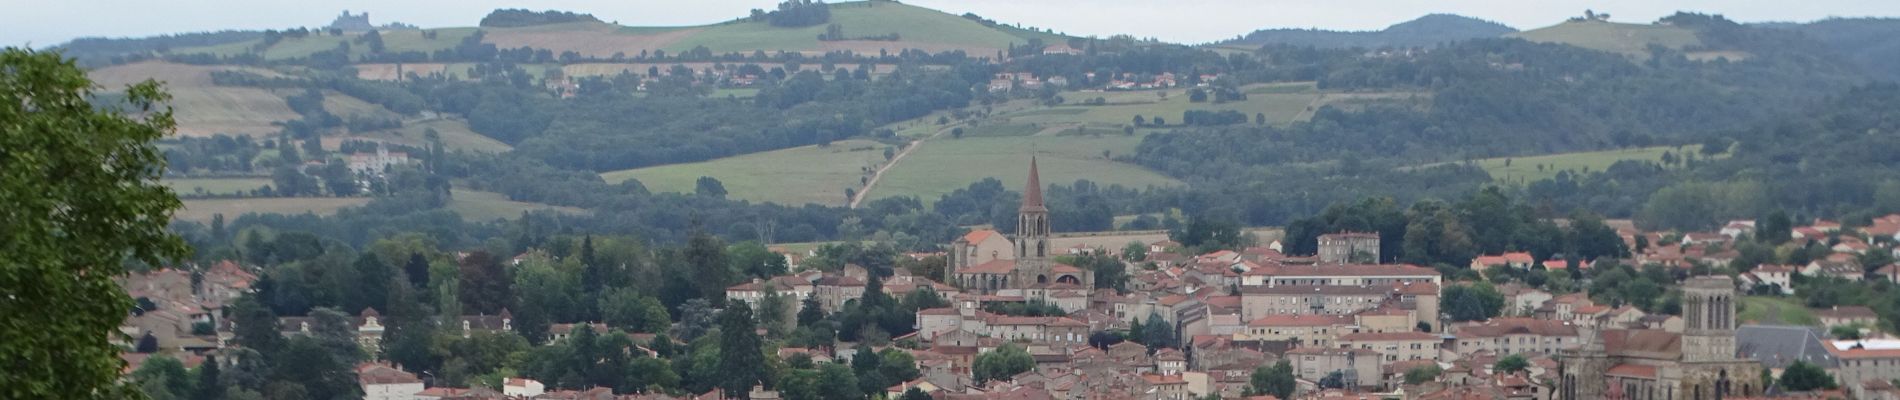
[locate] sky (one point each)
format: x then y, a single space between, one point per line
42 23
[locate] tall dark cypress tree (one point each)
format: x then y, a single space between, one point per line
810 312
592 274
208 387
376 278
739 356
418 271
256 325
711 272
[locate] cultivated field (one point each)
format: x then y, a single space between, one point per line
917 27
593 39
487 206
611 69
202 210
799 175
454 132
1534 168
946 164
394 41
1280 103
345 106
214 186
203 109
1629 39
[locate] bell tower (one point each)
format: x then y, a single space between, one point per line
1032 219
1032 236
1708 315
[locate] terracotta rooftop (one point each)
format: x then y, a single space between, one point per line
1332 351
1343 290
978 236
1299 270
1301 320
1623 342
1385 336
1498 327
1632 370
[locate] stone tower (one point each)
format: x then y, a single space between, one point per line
1032 233
1708 315
1581 369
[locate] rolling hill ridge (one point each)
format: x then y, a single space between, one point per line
1428 30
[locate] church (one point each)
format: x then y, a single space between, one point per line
1701 363
985 262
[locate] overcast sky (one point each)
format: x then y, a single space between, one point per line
48 22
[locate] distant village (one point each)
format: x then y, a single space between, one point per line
1348 327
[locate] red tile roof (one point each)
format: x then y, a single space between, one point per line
1497 327
1332 351
1632 370
1388 336
1297 270
978 236
1301 320
1624 342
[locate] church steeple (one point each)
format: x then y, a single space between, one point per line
1032 192
1032 219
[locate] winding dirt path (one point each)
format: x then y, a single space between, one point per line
879 174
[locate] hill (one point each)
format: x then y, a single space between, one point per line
1526 169
1628 39
1871 43
866 27
203 108
809 174
1428 30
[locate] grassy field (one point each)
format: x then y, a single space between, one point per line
1629 39
345 106
394 41
946 164
799 175
917 27
1776 311
1002 130
455 136
214 186
203 109
594 39
202 210
1281 104
1534 168
388 72
486 206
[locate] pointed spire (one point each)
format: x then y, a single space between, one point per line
1032 192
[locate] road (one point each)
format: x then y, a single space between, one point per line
879 174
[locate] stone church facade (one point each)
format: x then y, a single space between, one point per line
1701 363
1030 266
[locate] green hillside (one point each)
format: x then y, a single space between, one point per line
946 164
799 175
1628 39
202 108
1534 168
916 27
395 41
